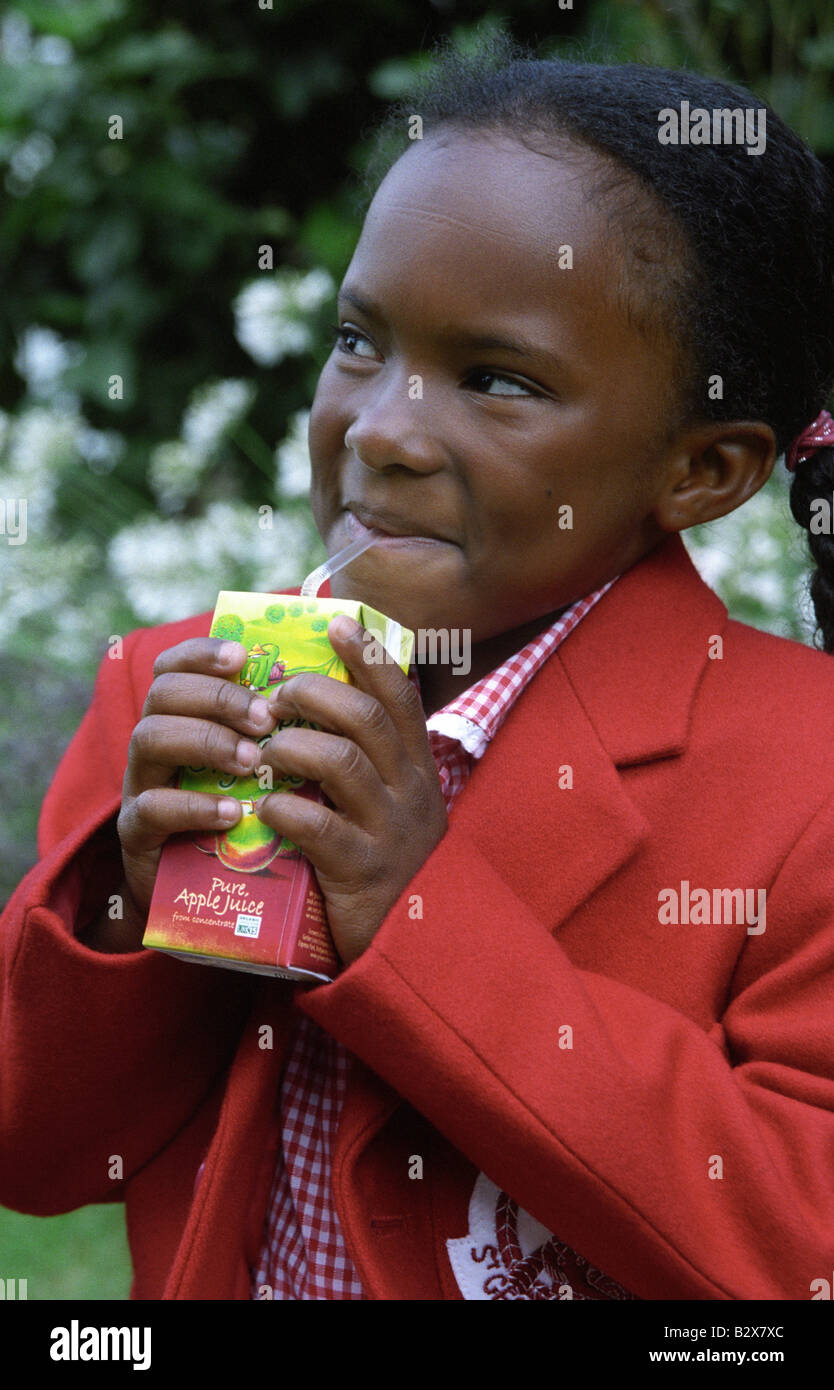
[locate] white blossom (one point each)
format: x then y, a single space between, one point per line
292 458
170 569
313 290
174 472
53 50
15 38
42 357
270 313
31 156
102 449
41 579
213 408
39 447
177 467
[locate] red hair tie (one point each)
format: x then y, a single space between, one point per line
819 435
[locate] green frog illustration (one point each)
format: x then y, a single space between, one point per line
262 666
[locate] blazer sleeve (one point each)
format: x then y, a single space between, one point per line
685 1164
102 1055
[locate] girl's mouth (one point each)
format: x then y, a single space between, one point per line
355 528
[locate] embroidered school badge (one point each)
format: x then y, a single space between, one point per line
508 1254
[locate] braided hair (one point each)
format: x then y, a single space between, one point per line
812 480
742 271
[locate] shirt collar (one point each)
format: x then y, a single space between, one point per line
474 717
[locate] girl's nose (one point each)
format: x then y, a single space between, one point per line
383 437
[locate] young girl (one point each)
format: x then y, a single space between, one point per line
581 1043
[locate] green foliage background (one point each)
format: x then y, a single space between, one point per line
244 125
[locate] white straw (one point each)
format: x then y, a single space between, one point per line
314 580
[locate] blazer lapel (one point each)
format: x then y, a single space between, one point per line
638 657
546 804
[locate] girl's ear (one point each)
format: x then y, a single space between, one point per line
711 470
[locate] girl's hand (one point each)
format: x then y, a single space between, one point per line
193 716
375 765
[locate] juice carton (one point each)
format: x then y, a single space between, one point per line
246 898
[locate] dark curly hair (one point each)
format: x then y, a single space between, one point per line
739 266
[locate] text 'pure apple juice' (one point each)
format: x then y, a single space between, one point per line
246 898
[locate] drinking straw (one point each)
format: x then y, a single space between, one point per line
391 638
315 579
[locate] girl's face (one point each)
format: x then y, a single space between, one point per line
484 388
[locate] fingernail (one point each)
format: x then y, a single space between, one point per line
229 652
345 627
246 753
258 710
228 809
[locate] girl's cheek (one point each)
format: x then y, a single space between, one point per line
325 387
328 421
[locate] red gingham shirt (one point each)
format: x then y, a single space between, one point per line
303 1255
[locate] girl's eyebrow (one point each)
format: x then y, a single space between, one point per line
521 346
363 305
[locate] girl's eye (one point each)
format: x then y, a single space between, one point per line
345 337
346 340
517 388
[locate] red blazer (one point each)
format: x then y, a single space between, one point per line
691 1043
